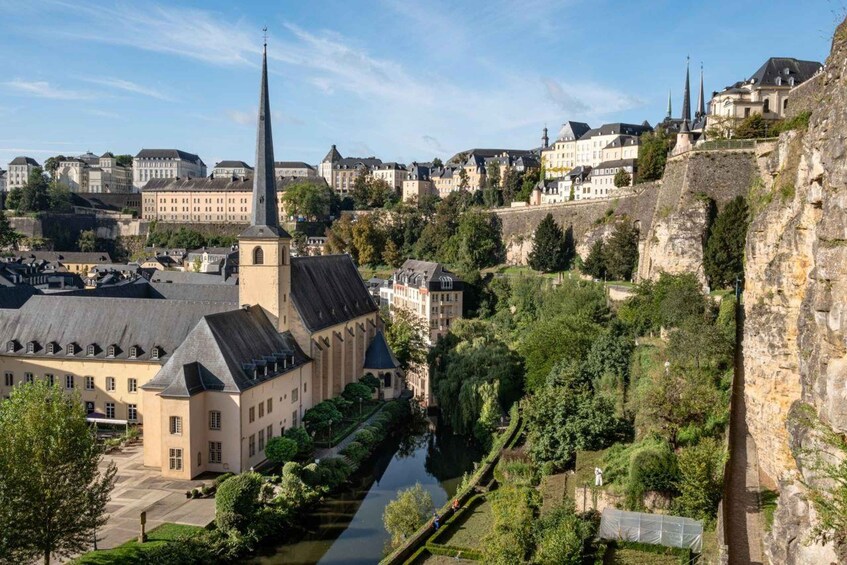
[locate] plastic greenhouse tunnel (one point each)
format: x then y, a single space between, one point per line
657 529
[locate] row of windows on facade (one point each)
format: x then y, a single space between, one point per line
91 349
70 381
175 456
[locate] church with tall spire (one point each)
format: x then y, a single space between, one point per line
688 128
211 372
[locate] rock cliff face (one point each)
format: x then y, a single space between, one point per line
795 331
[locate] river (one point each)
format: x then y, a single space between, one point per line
347 527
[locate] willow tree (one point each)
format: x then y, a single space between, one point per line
53 493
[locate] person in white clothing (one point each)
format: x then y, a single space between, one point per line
598 477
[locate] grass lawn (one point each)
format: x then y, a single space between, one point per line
380 271
472 529
523 270
586 461
628 556
133 550
554 489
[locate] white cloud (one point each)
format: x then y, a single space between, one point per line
242 118
43 89
128 86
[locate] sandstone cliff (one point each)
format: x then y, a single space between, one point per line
795 330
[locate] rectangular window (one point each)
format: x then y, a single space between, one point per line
270 432
110 410
252 446
215 452
132 412
251 414
69 381
294 419
175 459
270 403
89 407
295 394
214 420
89 383
261 441
176 425
261 409
132 385
10 379
50 379
110 383
28 377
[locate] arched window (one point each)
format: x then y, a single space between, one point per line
258 256
767 107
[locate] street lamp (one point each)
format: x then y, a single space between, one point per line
360 406
330 431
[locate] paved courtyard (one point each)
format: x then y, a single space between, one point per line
139 489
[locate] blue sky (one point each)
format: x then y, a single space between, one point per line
400 79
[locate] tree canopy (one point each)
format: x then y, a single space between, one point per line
653 154
307 199
723 259
552 248
53 496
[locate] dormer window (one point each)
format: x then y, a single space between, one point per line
30 347
52 347
71 349
156 352
10 346
133 352
91 350
112 350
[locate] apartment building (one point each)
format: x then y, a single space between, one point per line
19 170
152 164
340 172
417 183
392 173
89 173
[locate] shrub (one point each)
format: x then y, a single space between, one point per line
291 468
222 478
355 451
237 501
563 537
357 392
651 469
700 480
366 437
281 449
311 475
303 439
334 471
370 381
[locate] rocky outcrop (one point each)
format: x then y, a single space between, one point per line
795 355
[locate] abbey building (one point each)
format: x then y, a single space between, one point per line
212 372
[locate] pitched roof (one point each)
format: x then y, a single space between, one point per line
226 292
617 128
613 164
169 154
233 165
420 273
327 290
107 155
24 161
221 184
379 354
90 257
572 131
102 321
332 156
785 68
221 352
292 165
187 277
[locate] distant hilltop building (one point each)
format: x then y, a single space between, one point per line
340 172
92 174
766 92
19 170
232 169
165 164
295 169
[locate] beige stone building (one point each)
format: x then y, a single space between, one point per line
89 173
766 92
435 295
18 171
417 184
212 372
232 169
340 172
297 169
152 164
392 173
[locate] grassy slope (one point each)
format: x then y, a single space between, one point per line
132 549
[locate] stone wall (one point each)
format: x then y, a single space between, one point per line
671 215
804 97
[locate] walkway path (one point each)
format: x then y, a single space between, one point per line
743 518
332 451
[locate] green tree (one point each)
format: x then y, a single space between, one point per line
407 512
723 259
622 179
53 494
700 480
653 154
404 333
511 185
752 127
123 160
361 190
549 252
237 502
479 239
307 199
281 449
87 241
436 163
511 539
551 339
8 236
321 417
563 538
368 239
391 255
302 438
621 251
595 264
464 182
13 201
34 194
59 197
51 164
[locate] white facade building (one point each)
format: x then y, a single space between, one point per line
19 170
163 164
284 169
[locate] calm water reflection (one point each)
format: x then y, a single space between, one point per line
348 528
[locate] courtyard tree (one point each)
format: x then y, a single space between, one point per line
53 494
281 449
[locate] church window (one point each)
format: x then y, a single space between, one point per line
258 256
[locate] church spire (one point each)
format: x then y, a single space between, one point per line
686 101
701 102
669 104
265 217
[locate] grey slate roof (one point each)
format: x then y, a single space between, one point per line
613 164
777 67
332 156
379 354
221 351
169 154
571 131
327 290
422 273
105 321
293 165
233 165
187 277
93 257
220 184
13 297
24 161
224 293
617 128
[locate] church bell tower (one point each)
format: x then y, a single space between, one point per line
264 249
